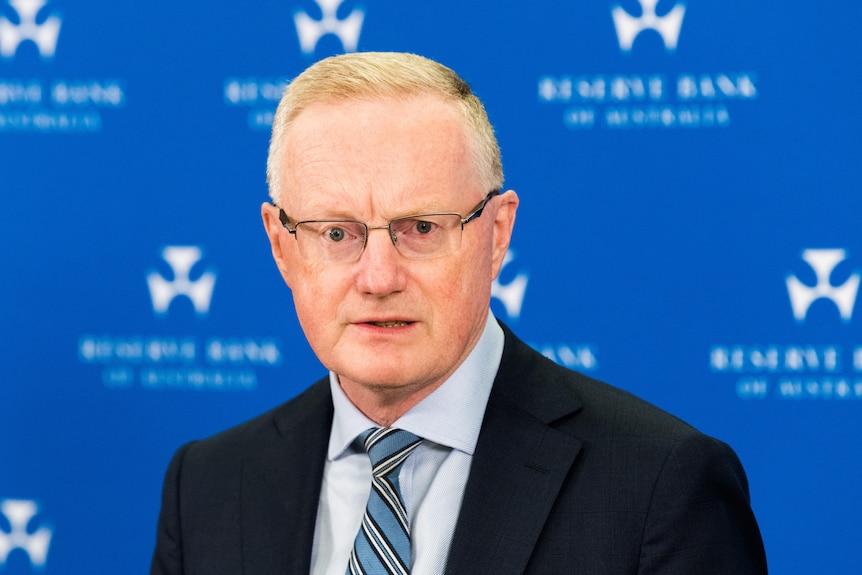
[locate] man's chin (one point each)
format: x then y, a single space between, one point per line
385 381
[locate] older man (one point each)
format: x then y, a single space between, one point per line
439 442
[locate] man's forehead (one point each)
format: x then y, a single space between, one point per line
348 110
409 130
404 155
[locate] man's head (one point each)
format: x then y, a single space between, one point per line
374 75
371 138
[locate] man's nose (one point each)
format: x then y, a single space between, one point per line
380 268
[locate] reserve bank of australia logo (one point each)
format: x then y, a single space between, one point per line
629 27
511 295
311 31
823 262
163 291
44 35
34 543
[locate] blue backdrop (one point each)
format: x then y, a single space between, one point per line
690 180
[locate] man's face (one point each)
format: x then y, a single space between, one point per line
389 326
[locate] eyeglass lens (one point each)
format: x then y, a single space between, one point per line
414 237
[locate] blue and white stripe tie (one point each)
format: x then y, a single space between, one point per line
382 546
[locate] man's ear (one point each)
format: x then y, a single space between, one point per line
277 237
504 221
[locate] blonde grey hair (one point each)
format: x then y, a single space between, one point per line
384 74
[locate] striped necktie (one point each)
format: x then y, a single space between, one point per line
382 546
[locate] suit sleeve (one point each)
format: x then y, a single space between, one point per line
700 519
168 555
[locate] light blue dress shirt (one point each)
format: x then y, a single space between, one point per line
432 479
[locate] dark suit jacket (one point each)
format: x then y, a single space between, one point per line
570 475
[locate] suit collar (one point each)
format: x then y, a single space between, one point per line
281 481
533 382
520 464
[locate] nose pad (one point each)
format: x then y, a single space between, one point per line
392 235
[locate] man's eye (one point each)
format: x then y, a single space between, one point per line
336 234
423 227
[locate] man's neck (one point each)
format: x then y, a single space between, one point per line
384 405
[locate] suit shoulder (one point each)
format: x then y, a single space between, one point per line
315 403
600 408
608 407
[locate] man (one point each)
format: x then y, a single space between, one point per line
511 464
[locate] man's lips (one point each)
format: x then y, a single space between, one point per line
387 323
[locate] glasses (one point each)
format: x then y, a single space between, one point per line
415 236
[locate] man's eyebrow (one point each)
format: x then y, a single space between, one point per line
325 213
328 213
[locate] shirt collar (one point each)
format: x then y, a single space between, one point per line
451 415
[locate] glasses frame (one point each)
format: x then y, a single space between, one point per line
471 215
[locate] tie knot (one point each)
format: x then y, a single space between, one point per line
388 448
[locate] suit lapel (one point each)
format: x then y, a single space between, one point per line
519 465
518 468
281 485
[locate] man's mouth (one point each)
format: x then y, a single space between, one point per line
389 323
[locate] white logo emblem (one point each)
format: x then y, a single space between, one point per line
823 262
311 31
44 35
628 26
511 295
162 291
19 513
